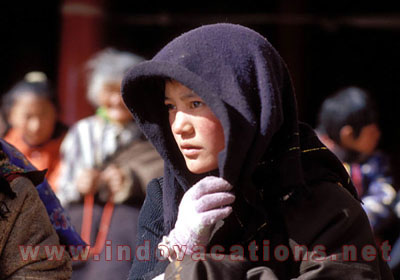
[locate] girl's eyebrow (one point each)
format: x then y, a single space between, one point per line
184 96
188 95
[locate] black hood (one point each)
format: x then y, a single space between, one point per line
245 82
237 73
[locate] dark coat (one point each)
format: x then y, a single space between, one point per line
330 223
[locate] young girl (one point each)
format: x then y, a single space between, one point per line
34 127
243 180
36 132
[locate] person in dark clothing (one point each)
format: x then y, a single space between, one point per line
244 183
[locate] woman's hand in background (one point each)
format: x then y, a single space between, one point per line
87 181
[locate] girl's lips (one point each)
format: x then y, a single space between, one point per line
190 151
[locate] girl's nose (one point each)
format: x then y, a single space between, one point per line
182 124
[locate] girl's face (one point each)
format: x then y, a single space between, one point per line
110 98
197 131
34 117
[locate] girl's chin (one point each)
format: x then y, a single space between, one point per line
198 169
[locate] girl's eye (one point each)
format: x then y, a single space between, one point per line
170 106
196 104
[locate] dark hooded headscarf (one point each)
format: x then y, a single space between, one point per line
245 82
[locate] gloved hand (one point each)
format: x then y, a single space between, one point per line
201 207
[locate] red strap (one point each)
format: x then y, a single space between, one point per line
104 223
356 177
87 217
104 227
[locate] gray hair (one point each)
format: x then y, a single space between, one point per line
108 65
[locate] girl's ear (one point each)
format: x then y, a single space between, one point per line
347 138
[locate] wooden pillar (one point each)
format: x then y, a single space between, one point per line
81 37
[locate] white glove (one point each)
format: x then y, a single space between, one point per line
201 207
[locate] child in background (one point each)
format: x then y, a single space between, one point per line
348 125
30 107
34 129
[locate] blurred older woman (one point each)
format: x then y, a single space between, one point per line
106 165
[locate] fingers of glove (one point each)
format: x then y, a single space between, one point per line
212 216
209 184
212 201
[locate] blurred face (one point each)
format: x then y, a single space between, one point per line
110 98
197 131
367 140
34 117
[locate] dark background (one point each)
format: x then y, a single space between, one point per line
326 44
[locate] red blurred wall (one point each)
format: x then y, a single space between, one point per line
81 36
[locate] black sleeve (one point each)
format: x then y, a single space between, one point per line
327 222
150 232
